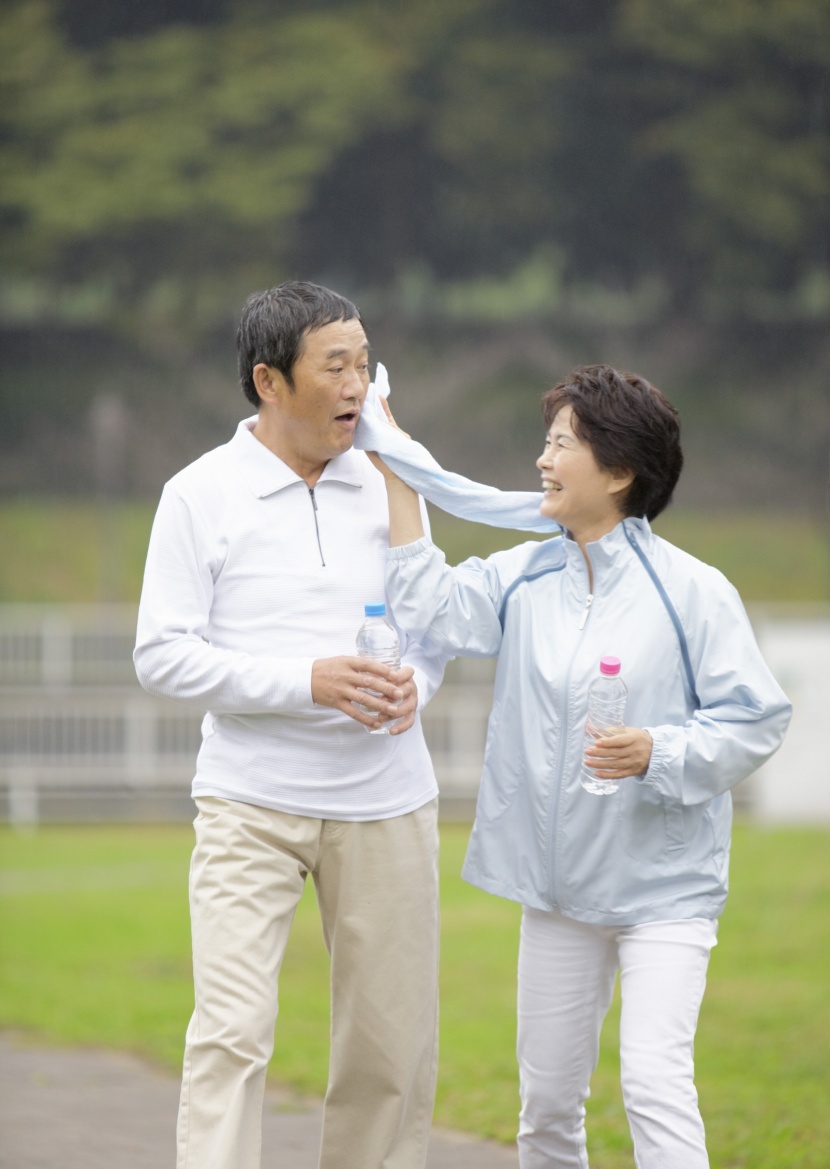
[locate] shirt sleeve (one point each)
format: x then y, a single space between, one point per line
454 610
742 716
173 655
428 663
427 660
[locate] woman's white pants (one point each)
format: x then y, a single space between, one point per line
567 971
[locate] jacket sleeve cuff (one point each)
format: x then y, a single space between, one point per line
665 769
406 551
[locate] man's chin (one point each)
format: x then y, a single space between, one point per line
345 443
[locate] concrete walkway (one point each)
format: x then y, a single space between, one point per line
64 1108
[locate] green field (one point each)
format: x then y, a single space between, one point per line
70 551
94 949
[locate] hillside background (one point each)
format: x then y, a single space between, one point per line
505 187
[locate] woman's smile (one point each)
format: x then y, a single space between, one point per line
578 493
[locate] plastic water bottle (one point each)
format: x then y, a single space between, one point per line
377 639
606 714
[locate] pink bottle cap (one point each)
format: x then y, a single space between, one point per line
609 665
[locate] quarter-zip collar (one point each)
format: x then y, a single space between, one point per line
266 473
608 557
609 554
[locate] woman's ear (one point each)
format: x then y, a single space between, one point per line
620 480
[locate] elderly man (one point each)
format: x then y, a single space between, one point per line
262 556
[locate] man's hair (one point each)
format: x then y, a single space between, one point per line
629 425
274 323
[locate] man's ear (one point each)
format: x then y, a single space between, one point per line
270 383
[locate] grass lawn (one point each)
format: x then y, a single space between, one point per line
94 948
766 557
61 551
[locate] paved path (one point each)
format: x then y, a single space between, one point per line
63 1108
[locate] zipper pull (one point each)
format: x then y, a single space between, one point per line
313 500
589 601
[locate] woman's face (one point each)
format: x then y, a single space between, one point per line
578 493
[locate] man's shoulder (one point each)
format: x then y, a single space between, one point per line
207 471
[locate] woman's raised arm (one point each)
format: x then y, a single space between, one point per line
406 524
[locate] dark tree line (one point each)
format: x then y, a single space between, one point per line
180 143
479 165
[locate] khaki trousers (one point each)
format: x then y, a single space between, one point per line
377 889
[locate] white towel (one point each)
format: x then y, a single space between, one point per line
453 493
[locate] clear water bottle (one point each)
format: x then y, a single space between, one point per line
606 714
377 639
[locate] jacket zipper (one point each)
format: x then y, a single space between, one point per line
557 786
316 525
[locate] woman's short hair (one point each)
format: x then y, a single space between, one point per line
629 425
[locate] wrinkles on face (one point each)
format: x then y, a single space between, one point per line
312 421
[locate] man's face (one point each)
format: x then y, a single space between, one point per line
316 420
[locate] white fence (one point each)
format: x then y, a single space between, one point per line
79 739
794 787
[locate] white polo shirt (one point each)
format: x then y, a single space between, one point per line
250 577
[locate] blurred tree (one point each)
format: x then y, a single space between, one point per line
466 180
606 174
92 23
160 159
166 166
740 104
682 142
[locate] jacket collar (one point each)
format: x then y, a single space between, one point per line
265 473
613 548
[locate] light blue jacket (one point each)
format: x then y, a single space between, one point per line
659 848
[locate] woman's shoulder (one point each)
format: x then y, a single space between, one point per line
501 571
682 571
529 558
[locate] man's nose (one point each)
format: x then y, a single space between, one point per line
354 386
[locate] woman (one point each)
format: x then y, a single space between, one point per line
634 881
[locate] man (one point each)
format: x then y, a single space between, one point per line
262 555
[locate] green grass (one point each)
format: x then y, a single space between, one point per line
94 949
72 551
767 558
57 551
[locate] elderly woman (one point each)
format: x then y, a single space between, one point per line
634 881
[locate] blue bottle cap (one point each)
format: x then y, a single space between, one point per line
375 610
